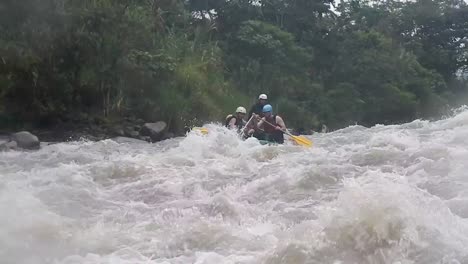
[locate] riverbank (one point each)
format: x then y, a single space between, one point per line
95 129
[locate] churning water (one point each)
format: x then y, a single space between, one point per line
388 194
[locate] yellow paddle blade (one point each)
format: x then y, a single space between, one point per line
203 130
303 141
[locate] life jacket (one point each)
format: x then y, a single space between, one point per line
239 122
270 128
271 134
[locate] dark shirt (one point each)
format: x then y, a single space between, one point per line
256 109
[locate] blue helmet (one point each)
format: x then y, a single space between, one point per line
267 108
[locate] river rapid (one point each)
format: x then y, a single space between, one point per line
386 194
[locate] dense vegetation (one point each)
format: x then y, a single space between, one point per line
187 60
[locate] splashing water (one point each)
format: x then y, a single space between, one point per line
388 194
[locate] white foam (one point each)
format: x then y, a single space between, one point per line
387 194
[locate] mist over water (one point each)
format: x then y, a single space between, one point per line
387 194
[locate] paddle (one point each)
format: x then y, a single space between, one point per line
300 140
246 124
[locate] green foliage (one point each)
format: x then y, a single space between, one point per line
196 60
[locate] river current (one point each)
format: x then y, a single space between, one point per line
386 194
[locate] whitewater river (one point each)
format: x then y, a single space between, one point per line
387 194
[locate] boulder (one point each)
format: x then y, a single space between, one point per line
8 146
130 132
168 135
145 138
154 130
118 131
134 134
26 140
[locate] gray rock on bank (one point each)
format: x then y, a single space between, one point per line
8 146
26 140
154 130
131 132
23 140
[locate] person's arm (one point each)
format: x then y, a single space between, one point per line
260 123
280 123
232 123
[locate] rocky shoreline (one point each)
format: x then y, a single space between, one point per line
124 131
21 140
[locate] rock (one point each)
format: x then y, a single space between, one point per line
154 130
130 132
12 145
90 138
144 138
128 140
118 131
26 140
8 146
168 135
134 134
324 128
3 147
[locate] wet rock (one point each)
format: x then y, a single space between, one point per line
8 146
118 131
134 134
90 138
154 130
131 132
168 135
145 138
26 140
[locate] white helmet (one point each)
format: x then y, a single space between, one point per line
263 97
241 110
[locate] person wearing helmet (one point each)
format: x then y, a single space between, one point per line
256 112
236 120
257 107
272 125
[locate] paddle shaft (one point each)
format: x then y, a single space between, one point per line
299 140
284 131
248 122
